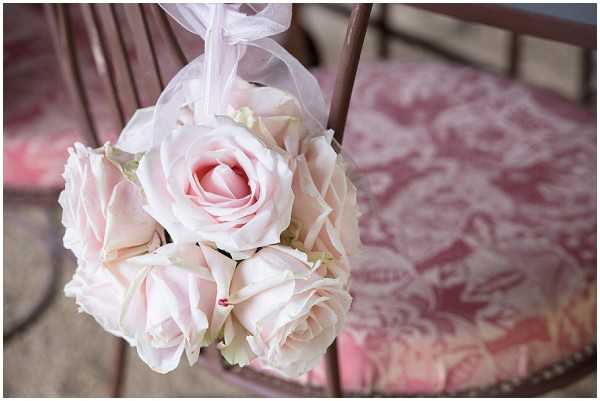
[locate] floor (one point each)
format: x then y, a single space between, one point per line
67 354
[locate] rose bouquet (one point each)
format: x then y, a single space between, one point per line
223 213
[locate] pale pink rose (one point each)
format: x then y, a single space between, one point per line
288 314
272 114
100 293
218 184
164 303
135 136
103 209
325 213
172 302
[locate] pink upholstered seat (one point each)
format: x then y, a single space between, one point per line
480 258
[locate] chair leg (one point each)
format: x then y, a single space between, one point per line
585 92
384 35
514 60
119 368
334 385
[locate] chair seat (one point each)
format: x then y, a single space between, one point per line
480 240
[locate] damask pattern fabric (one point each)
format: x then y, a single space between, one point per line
480 261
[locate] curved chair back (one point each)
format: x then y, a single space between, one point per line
106 34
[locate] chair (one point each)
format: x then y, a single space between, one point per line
102 26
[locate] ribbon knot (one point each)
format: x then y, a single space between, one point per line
239 23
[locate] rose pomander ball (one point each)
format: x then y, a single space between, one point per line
235 230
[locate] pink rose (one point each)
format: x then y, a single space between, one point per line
219 184
325 213
164 303
135 136
172 302
270 113
100 293
103 209
287 313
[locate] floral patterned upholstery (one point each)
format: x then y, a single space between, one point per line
479 225
480 258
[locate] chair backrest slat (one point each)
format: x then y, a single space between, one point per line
350 56
127 92
145 52
162 23
102 64
338 112
60 27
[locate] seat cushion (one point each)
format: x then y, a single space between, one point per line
480 236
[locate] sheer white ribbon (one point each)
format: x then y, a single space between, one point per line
237 44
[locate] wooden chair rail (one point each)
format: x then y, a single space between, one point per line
348 64
60 28
146 53
99 53
554 376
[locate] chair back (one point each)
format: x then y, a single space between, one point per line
114 63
